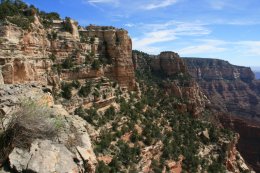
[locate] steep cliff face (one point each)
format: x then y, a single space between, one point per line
168 63
214 69
170 73
116 46
39 53
171 69
234 92
23 54
249 132
231 88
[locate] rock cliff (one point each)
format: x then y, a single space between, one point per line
234 92
169 67
43 54
67 91
231 88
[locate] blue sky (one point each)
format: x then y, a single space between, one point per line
224 29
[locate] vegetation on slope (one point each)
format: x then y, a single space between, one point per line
153 120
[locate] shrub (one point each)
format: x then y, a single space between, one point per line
53 57
96 64
67 63
96 94
92 40
8 8
66 91
30 122
21 21
80 112
17 12
85 90
75 84
110 112
67 25
102 167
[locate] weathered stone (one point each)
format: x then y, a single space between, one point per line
169 63
44 156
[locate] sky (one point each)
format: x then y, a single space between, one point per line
223 29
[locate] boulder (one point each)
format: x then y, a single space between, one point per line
44 156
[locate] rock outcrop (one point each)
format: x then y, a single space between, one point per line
168 63
116 45
70 151
38 54
169 67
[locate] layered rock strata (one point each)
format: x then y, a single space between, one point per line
37 54
172 70
234 93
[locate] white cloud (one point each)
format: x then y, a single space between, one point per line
160 4
165 32
251 48
102 1
154 37
207 47
129 25
219 4
96 2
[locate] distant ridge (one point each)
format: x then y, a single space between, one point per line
257 74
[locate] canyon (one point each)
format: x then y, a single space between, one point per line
118 110
234 93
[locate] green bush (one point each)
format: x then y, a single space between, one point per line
9 8
67 26
110 112
76 84
21 21
80 112
67 63
96 64
96 93
92 40
85 90
17 12
53 57
66 91
102 167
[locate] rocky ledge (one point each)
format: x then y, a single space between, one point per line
70 150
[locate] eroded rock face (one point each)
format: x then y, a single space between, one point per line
196 99
249 131
231 88
214 69
25 54
116 45
234 93
169 63
169 67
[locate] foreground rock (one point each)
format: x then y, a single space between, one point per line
44 156
69 151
